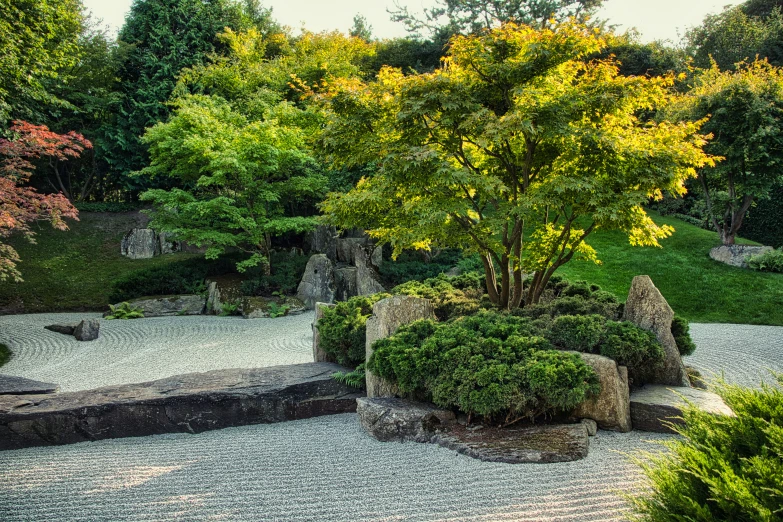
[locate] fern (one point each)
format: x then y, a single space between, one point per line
354 379
124 311
276 310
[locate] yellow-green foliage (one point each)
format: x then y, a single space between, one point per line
724 468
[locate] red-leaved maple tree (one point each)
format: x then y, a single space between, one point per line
20 204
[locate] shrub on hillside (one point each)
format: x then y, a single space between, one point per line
581 333
181 277
342 329
681 331
411 266
286 273
723 468
487 364
769 261
632 347
113 207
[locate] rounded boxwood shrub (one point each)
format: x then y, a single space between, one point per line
581 333
633 347
342 329
722 468
681 331
488 364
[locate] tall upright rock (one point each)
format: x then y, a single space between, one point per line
647 308
387 316
318 285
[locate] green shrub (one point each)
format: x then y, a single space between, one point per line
723 468
229 308
342 329
410 266
5 354
487 364
448 301
182 277
124 311
286 272
633 347
769 261
581 333
600 303
681 331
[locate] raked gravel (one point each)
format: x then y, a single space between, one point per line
320 469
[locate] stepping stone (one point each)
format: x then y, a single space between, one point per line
10 385
192 403
655 406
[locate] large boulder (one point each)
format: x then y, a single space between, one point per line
317 284
366 278
648 309
389 419
169 305
387 316
320 355
322 240
167 245
736 255
345 283
223 289
611 408
656 408
260 307
87 330
190 403
140 243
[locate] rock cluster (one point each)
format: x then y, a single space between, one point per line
85 330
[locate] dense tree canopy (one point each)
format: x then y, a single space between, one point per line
164 36
745 110
518 149
39 37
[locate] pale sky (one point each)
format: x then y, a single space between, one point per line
655 20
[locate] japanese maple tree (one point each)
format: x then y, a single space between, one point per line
20 204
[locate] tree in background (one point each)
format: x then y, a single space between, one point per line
745 110
40 37
517 149
473 16
361 28
164 37
21 205
241 177
737 34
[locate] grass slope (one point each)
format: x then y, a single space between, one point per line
73 270
698 288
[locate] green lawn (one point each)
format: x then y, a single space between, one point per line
73 270
698 288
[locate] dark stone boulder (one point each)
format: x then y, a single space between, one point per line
190 403
317 285
10 385
65 329
654 407
140 243
87 330
323 240
388 419
538 444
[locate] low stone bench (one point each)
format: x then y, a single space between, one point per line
190 403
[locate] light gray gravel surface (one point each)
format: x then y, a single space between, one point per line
140 350
327 468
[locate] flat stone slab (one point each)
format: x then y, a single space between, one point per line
10 385
192 403
65 329
539 444
392 419
655 407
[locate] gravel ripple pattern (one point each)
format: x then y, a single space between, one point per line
322 469
140 350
